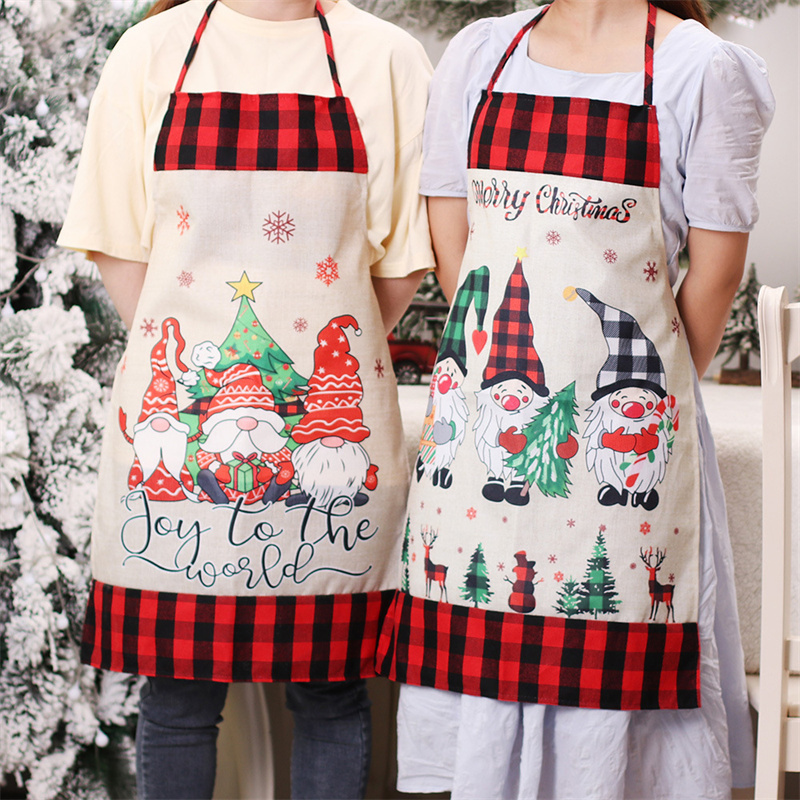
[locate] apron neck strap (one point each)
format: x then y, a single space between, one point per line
649 49
326 33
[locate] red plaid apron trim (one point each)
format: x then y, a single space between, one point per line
577 137
284 132
225 638
547 660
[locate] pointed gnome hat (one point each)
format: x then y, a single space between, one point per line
240 387
474 290
632 357
334 390
513 354
160 395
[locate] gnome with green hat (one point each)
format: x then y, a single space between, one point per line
447 413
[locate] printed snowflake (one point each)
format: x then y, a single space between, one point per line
645 528
472 513
676 326
602 529
553 237
650 271
300 324
149 327
610 256
460 549
558 577
676 531
552 558
501 567
278 227
671 578
633 565
413 556
185 279
379 368
422 504
505 519
570 523
438 510
161 386
327 271
183 220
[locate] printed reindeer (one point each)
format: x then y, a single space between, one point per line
433 572
658 591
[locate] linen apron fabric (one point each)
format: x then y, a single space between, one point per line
551 548
253 483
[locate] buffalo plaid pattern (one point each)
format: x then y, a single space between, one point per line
573 136
513 354
548 660
632 357
224 638
287 132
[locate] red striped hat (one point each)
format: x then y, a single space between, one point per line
334 390
240 387
160 395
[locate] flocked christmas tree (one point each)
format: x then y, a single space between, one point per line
404 557
568 598
741 331
597 592
544 462
476 579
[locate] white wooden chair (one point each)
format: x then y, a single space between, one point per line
774 693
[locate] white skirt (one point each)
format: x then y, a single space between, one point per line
479 748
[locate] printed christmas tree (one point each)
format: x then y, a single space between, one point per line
404 557
544 461
597 590
569 599
476 579
249 342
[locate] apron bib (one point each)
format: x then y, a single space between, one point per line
551 550
253 481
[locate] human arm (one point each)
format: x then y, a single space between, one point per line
123 281
394 296
716 263
449 232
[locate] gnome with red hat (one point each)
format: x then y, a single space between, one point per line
244 452
160 437
330 462
512 390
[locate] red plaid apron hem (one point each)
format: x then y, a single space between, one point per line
229 638
547 660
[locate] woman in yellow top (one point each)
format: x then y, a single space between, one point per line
248 189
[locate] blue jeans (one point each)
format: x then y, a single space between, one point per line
176 739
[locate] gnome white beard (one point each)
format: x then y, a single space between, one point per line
327 473
643 474
491 422
152 446
450 407
226 438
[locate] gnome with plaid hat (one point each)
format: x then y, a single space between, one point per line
244 453
160 437
631 422
331 464
513 389
447 414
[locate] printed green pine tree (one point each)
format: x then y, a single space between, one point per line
544 462
404 557
248 342
569 599
597 592
476 579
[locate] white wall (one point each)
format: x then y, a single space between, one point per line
775 242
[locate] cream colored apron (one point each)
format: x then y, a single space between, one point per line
552 545
253 479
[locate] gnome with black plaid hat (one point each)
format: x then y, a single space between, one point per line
512 390
447 413
631 422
